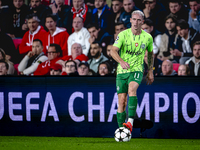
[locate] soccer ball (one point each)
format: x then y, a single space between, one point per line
122 134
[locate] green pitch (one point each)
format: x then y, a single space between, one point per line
79 143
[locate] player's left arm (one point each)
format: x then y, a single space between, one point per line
150 59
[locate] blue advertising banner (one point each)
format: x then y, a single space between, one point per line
87 106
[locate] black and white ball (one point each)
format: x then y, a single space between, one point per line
122 134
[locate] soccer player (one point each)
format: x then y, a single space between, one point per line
131 44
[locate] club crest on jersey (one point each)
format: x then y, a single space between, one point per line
143 46
136 44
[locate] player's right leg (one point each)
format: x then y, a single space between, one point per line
122 90
121 111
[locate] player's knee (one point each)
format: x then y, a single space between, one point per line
132 93
122 102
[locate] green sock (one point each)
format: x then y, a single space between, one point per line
132 105
121 117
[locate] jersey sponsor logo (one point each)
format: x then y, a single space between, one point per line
136 44
133 53
143 46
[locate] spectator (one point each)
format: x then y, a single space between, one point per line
117 8
194 14
183 70
178 9
82 10
70 68
97 56
103 16
6 43
64 14
40 10
19 12
55 35
83 69
11 69
118 28
148 26
3 68
156 65
167 69
76 55
80 35
6 20
30 62
96 34
129 7
156 12
56 69
35 32
104 69
54 53
168 38
194 62
187 37
111 61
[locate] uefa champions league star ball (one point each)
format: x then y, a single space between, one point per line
122 134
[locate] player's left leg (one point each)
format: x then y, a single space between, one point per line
132 104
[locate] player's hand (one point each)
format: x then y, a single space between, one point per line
150 77
124 65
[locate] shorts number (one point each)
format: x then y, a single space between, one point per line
137 75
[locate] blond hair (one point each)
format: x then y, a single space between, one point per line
139 13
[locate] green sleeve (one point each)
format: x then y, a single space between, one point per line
150 45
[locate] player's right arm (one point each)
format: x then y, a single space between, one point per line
115 49
116 57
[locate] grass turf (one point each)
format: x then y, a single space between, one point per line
52 143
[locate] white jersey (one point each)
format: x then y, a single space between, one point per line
81 37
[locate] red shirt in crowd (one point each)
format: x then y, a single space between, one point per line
44 68
81 57
27 40
60 37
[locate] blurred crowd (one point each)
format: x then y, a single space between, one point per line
75 37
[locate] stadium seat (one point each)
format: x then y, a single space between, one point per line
17 42
16 68
175 66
